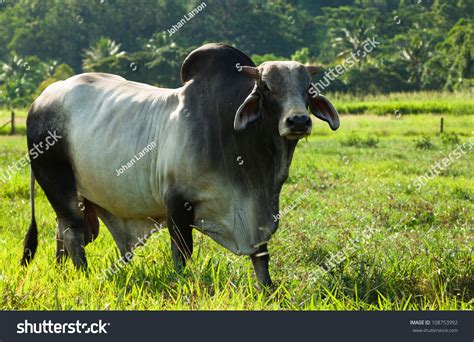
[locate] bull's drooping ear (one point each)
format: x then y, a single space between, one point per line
323 109
249 111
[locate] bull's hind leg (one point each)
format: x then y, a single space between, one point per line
180 218
91 229
57 180
61 253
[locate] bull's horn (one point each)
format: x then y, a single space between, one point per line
313 69
251 71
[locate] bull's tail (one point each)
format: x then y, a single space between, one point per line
31 238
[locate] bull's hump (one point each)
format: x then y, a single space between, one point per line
95 77
102 80
211 59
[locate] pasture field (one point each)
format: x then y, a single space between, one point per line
397 247
421 102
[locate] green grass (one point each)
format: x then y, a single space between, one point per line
406 103
418 256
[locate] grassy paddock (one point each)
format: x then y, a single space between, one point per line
402 249
406 103
20 121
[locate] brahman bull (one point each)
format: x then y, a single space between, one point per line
219 151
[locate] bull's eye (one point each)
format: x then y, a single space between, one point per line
266 88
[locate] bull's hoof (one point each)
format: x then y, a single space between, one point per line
266 284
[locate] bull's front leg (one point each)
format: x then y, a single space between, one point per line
180 219
260 262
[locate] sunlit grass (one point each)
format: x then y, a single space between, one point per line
446 103
418 256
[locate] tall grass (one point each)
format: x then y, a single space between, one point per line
419 255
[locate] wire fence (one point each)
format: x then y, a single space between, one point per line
10 122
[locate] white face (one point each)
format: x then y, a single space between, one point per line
283 91
285 88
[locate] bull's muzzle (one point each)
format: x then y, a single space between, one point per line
297 126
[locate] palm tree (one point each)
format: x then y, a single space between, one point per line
349 27
103 48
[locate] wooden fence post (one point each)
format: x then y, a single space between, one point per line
13 123
441 125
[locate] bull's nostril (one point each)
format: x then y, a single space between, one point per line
298 122
290 122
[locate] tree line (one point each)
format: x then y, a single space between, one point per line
424 44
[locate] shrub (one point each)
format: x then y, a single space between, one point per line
356 141
424 143
450 138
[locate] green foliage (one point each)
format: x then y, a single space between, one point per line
450 138
19 79
356 141
259 59
418 39
348 28
458 67
372 80
414 46
302 56
129 66
424 143
157 65
164 61
61 72
104 48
